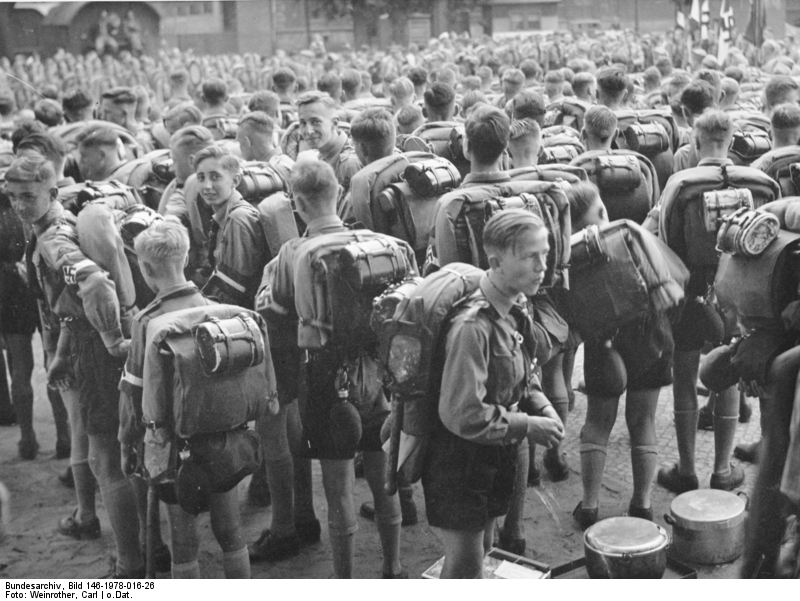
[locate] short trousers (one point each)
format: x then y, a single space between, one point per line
467 483
647 350
97 375
370 439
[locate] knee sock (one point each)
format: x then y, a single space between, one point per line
644 460
514 522
593 462
343 547
303 492
84 490
186 571
120 503
724 439
236 564
686 433
281 486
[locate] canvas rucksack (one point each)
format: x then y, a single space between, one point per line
652 133
569 112
223 127
445 139
627 181
336 278
748 146
469 208
778 165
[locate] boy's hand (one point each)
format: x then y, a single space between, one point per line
120 350
545 431
59 374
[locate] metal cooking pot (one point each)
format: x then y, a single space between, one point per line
625 547
707 526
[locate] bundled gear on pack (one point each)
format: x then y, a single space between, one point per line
160 174
549 173
619 274
353 108
560 145
469 208
69 133
222 126
336 278
627 181
778 165
748 146
397 195
568 111
694 203
444 139
751 121
653 134
207 373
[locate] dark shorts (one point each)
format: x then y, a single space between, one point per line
647 350
97 375
467 483
371 439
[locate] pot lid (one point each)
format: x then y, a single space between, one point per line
707 509
625 535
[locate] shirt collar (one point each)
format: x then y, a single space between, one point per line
498 300
319 224
487 177
714 161
55 211
178 289
233 201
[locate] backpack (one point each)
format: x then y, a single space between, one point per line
106 235
445 140
560 145
777 164
751 121
207 372
336 278
549 173
568 112
627 181
619 273
260 180
223 128
410 318
69 133
748 146
397 195
650 139
686 208
279 221
161 173
470 208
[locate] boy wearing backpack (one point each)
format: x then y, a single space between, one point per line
470 471
308 375
162 250
91 346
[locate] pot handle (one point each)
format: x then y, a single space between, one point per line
744 495
669 519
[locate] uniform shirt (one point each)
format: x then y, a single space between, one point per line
484 373
73 286
763 162
442 243
131 173
340 154
184 296
240 254
685 157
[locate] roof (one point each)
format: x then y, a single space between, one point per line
64 12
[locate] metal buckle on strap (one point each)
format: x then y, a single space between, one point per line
152 425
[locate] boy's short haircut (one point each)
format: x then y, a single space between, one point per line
76 99
179 77
7 105
266 101
712 77
312 178
48 112
735 73
440 95
504 229
401 88
446 76
472 98
28 169
664 66
375 129
228 161
313 96
259 121
652 76
612 80
530 68
46 144
714 126
283 78
582 82
786 116
528 104
418 76
729 87
581 197
600 122
330 84
184 114
472 82
120 96
554 77
514 76
351 81
488 127
97 135
698 96
163 243
524 127
778 89
485 73
24 129
408 115
193 137
215 91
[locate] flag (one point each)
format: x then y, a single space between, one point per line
705 19
694 18
755 27
727 23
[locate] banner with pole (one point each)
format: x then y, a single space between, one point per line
727 24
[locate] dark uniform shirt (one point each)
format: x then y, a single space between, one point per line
184 296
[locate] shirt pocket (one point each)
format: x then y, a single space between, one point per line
505 366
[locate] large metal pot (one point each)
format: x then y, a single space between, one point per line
707 526
625 547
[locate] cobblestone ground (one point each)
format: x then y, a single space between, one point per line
33 549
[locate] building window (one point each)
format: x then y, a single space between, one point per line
194 8
525 21
208 8
229 16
